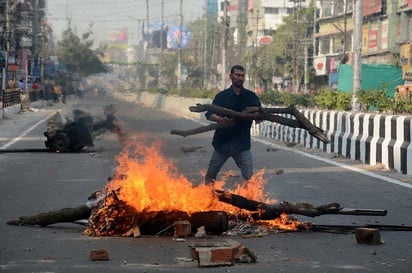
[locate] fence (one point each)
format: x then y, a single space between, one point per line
11 97
15 99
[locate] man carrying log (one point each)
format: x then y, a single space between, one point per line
232 138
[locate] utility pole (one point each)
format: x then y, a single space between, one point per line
296 9
224 45
255 49
5 54
160 62
145 45
357 58
206 36
179 49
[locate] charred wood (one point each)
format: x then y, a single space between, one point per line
66 215
265 211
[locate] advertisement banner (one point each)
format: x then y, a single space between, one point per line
371 7
406 61
178 38
373 38
384 37
320 66
364 39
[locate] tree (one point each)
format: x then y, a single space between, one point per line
77 56
282 57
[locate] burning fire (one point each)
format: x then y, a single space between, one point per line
146 181
150 182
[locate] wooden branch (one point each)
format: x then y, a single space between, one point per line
272 211
202 129
255 113
66 215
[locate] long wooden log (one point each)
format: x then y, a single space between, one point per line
202 129
118 218
116 222
66 215
272 211
254 113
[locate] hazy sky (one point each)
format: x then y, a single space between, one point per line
109 15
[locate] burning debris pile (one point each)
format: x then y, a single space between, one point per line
147 195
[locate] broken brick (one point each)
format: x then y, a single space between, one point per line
99 255
182 228
369 236
217 254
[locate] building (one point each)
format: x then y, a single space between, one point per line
386 36
22 35
258 19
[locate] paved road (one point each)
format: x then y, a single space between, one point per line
41 181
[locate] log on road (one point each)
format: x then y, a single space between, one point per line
118 218
265 211
66 215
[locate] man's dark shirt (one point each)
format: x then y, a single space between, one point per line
234 139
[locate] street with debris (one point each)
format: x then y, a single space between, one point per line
35 180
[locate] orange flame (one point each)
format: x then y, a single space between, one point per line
284 222
150 182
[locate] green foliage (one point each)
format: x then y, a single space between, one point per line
270 98
402 105
78 56
343 101
333 100
326 99
375 99
285 98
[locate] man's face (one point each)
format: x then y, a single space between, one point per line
238 78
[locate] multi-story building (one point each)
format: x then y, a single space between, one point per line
258 19
265 16
405 40
386 33
21 34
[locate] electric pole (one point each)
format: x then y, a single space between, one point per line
160 62
179 49
356 49
206 36
224 45
146 43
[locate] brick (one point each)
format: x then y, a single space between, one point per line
369 236
217 254
182 228
99 255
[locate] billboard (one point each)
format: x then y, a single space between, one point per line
371 7
406 61
373 38
320 65
175 36
384 35
178 37
117 38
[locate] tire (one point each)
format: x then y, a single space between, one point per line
60 143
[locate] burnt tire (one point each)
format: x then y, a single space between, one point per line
60 143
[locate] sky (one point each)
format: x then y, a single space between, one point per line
109 15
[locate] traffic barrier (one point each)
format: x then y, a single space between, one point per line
369 138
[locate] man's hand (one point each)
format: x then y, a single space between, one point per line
224 121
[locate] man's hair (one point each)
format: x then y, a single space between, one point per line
237 67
